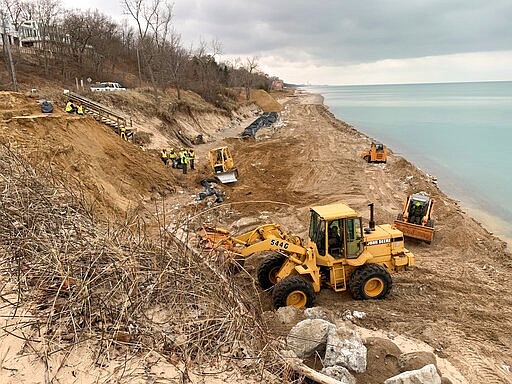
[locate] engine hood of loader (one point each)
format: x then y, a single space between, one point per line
383 234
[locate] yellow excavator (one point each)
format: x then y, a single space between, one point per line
223 166
339 254
416 219
377 153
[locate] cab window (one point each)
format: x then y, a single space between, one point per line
335 238
317 232
354 236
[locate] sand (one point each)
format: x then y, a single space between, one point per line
457 299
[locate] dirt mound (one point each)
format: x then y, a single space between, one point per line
114 174
265 101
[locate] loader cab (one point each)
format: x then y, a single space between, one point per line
337 231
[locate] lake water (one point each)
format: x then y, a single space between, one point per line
459 132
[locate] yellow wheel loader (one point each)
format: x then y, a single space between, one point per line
416 219
377 153
339 254
223 166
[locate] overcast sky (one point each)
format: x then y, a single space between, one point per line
352 42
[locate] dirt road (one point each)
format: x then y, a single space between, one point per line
457 299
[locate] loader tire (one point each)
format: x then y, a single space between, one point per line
268 269
295 291
371 281
367 159
400 217
430 223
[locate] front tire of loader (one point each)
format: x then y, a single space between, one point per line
371 281
295 291
268 269
367 159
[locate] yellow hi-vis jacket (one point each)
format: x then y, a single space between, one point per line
80 110
163 155
69 107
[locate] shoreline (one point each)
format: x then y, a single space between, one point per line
489 222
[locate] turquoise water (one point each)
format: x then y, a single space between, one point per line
459 132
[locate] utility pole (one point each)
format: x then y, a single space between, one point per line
7 47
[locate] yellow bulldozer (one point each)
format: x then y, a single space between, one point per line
223 166
377 153
339 254
416 219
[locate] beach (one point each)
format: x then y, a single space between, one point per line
456 299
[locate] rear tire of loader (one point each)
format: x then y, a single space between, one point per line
367 159
295 291
268 269
371 281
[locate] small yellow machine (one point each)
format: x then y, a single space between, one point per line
339 254
223 165
376 154
416 219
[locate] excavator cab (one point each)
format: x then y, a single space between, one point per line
336 237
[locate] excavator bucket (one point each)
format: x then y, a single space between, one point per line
211 238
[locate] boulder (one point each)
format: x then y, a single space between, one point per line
317 313
339 373
426 375
416 360
381 360
309 336
287 315
345 347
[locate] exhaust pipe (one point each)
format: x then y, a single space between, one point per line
372 222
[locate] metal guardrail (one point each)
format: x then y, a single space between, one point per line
102 113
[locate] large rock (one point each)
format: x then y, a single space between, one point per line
416 360
309 336
288 315
339 373
345 347
426 375
381 360
317 313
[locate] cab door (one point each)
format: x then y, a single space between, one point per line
354 237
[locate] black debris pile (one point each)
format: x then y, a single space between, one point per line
46 106
209 190
265 120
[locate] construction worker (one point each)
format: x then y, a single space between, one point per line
123 134
163 156
184 159
80 109
141 145
191 157
70 107
173 157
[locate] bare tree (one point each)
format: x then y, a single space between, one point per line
153 19
179 58
250 66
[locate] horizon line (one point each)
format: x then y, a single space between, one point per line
421 83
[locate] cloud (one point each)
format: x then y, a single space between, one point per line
339 32
479 66
342 41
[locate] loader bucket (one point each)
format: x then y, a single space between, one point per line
227 177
